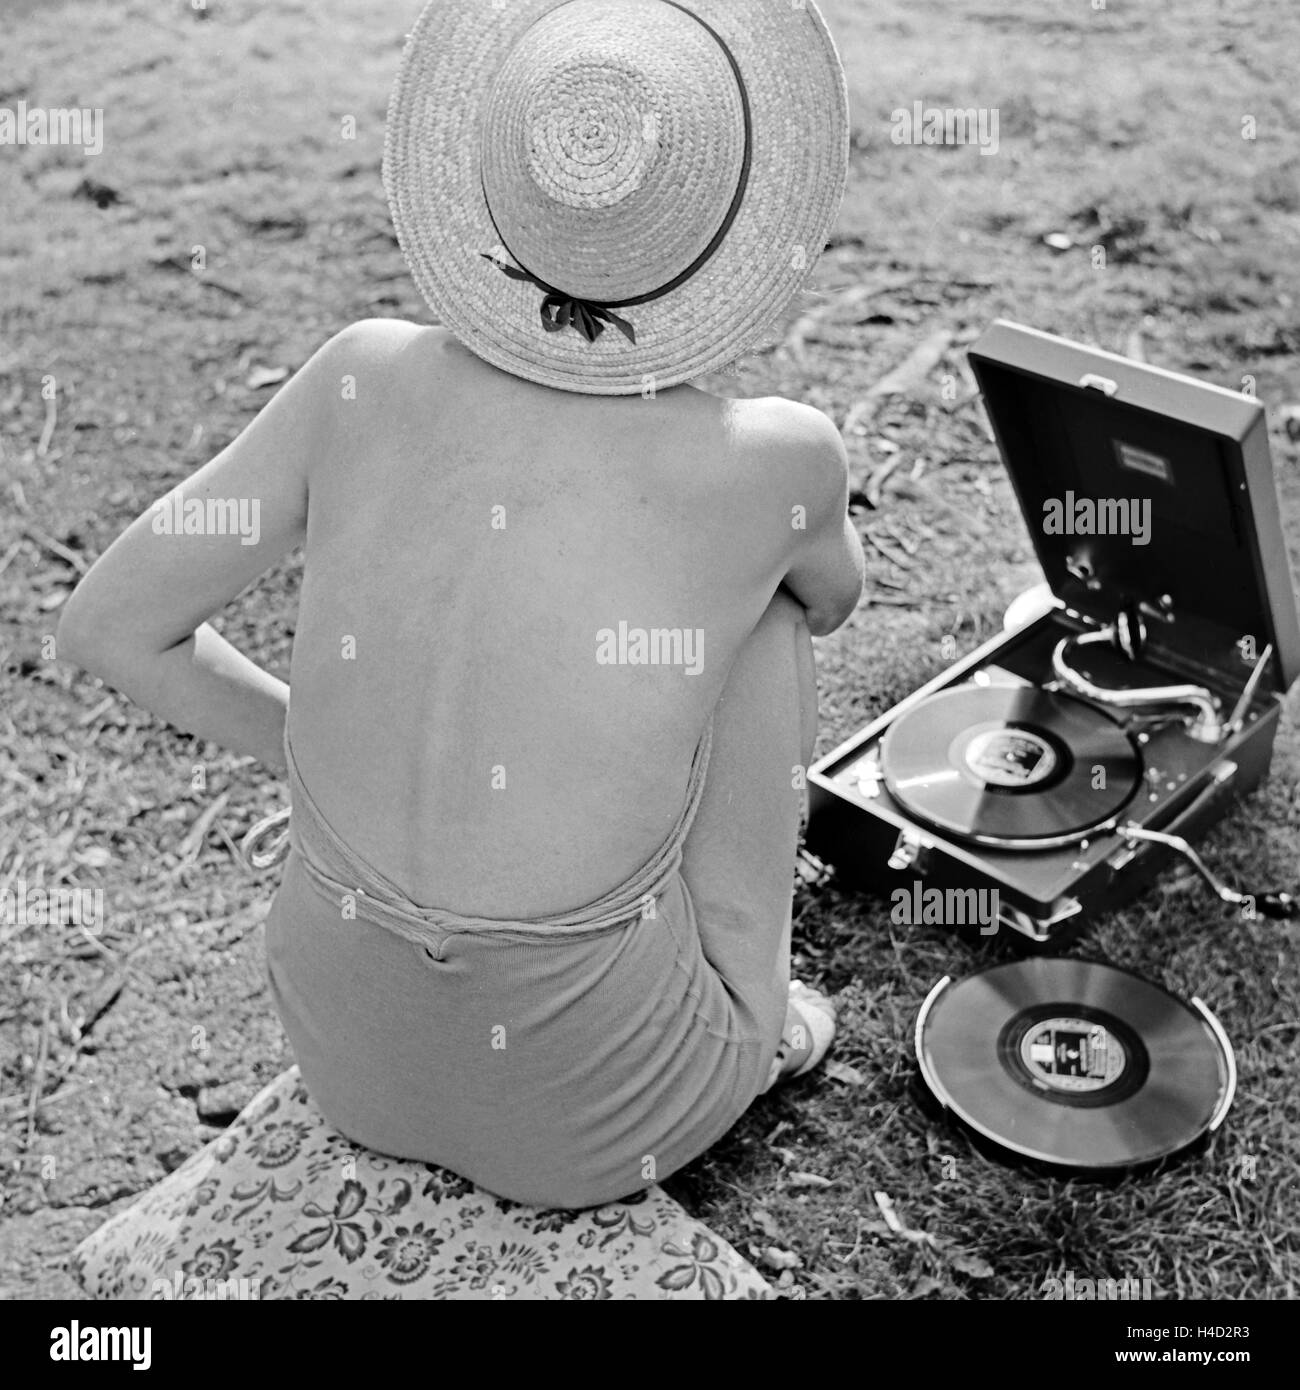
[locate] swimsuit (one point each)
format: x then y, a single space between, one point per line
563 1061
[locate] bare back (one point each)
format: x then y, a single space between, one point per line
474 707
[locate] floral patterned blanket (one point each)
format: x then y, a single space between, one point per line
282 1206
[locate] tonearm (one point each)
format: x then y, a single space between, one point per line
1203 721
1203 718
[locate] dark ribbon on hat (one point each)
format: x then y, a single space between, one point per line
560 310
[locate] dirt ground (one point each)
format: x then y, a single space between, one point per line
1163 133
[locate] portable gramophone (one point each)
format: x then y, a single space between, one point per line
1068 761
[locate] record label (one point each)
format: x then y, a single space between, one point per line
1010 757
1070 1054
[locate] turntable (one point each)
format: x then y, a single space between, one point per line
1065 763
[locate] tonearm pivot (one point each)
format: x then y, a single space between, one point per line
1204 719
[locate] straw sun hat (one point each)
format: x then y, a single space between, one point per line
602 195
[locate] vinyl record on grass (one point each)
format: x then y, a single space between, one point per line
1075 1064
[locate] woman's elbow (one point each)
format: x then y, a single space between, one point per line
83 636
829 617
70 637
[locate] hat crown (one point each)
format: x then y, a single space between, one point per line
654 179
612 146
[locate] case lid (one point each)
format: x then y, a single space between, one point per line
1137 484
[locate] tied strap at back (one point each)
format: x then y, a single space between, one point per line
340 873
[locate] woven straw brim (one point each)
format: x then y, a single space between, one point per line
433 175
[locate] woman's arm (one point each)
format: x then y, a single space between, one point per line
828 568
204 686
138 620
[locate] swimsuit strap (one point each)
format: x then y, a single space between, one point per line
340 873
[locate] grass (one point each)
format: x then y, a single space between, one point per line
225 129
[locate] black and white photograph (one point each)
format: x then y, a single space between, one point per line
648 652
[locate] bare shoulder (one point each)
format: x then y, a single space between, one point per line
379 342
782 427
354 384
365 370
797 444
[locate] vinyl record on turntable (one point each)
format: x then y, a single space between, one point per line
1081 1066
1012 766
